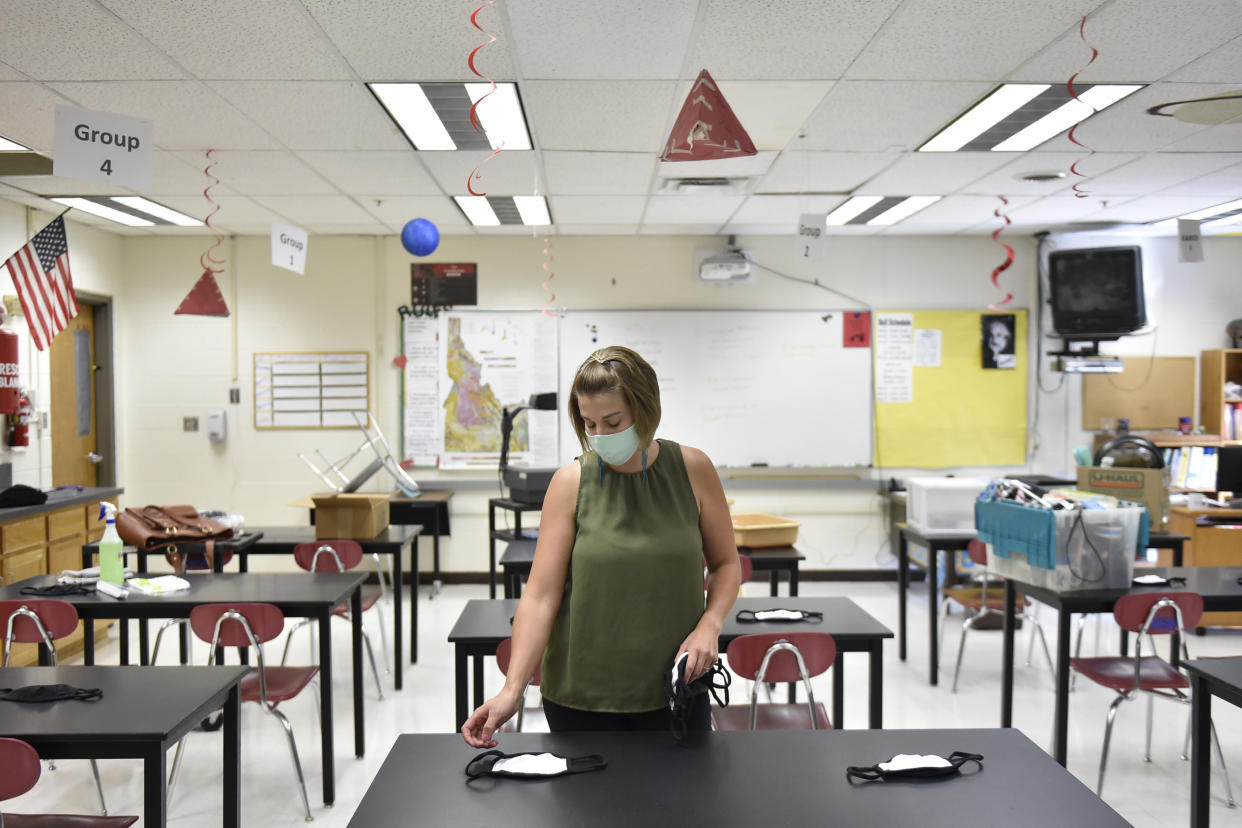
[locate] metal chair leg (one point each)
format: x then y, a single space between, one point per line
1043 640
284 656
366 640
1151 701
103 806
944 616
1220 757
159 634
176 768
1082 622
961 648
1108 736
297 763
379 615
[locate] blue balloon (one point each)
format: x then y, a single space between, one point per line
420 237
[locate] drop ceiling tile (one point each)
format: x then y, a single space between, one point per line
679 229
395 211
379 173
234 210
782 210
1006 181
373 229
262 173
771 112
624 41
1126 127
597 229
1154 208
309 210
950 40
1221 138
744 167
957 211
1219 64
509 173
175 174
823 172
734 228
597 209
55 185
77 40
598 173
1138 40
1225 182
391 40
1054 211
785 38
933 173
1160 170
28 114
316 115
611 116
690 209
867 115
8 73
236 38
187 115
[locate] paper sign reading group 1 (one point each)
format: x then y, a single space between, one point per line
289 247
103 146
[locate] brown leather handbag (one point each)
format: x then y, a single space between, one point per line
163 527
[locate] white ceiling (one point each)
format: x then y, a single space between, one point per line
836 95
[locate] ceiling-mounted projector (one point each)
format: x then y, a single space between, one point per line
730 266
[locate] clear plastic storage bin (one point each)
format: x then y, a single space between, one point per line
1063 550
942 505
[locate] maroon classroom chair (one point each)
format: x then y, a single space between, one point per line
19 771
778 657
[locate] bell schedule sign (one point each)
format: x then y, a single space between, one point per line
103 146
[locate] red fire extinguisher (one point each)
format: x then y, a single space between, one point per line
19 423
9 379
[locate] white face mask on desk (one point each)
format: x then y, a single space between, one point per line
615 449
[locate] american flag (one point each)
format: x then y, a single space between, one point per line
40 272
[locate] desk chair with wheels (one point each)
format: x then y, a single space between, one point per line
503 653
339 556
778 657
19 771
43 621
980 602
1148 613
252 625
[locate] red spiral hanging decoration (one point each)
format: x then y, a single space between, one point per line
474 116
547 268
206 256
1079 192
1003 266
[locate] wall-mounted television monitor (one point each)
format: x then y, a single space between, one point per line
1096 291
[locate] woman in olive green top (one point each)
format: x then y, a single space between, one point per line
615 593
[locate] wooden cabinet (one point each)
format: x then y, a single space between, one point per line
1216 367
1208 546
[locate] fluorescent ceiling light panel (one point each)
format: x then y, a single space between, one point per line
533 209
104 212
903 210
158 210
976 120
12 146
501 115
1096 99
478 211
851 208
1207 212
407 104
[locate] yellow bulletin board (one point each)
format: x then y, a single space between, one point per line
958 413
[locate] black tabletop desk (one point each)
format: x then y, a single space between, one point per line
936 543
1208 677
1218 585
483 624
299 594
518 508
393 541
143 712
785 778
775 559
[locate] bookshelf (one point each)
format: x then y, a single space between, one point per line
1216 367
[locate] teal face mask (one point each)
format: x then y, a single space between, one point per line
615 449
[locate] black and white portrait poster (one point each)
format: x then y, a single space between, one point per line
998 336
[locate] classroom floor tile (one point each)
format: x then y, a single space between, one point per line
1146 794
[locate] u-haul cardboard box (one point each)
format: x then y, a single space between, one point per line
1144 486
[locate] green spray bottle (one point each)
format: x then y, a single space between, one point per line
110 547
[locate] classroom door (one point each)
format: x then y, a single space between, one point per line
72 406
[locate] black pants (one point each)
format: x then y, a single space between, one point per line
562 719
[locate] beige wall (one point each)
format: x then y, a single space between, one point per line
171 366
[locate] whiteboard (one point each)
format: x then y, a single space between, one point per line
746 387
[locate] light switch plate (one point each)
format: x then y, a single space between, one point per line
189 423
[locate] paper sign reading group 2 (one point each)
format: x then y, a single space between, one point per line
103 146
289 247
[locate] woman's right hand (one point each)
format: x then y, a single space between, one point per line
488 717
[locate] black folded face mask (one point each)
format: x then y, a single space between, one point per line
914 766
779 615
34 693
531 765
60 589
680 693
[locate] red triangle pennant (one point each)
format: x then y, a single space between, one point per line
706 127
204 299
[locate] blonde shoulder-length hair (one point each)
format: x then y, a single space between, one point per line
616 368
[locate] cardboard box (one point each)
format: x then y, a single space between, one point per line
1146 486
357 516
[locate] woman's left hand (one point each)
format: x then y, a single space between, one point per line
702 645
